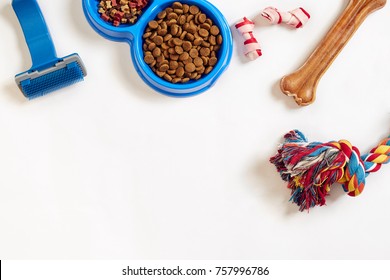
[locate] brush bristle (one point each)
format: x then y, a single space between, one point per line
49 82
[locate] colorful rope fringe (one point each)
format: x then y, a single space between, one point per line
312 168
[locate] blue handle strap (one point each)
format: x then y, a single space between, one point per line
35 31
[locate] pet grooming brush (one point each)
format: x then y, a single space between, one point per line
48 72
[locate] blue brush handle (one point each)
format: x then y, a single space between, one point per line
35 31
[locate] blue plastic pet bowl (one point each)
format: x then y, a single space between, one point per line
132 34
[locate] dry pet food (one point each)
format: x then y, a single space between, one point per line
182 43
120 12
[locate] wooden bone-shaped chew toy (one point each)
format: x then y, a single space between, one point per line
302 83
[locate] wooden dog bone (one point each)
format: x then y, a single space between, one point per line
302 83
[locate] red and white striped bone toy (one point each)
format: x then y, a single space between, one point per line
295 18
251 46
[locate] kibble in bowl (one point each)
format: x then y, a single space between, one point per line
182 43
182 59
118 12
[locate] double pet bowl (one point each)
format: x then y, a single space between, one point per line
132 34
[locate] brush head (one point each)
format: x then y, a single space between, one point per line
59 74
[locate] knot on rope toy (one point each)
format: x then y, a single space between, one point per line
251 49
312 168
296 18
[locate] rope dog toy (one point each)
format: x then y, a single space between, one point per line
251 47
312 168
295 18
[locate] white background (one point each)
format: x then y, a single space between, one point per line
110 169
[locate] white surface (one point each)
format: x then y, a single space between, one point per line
108 168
